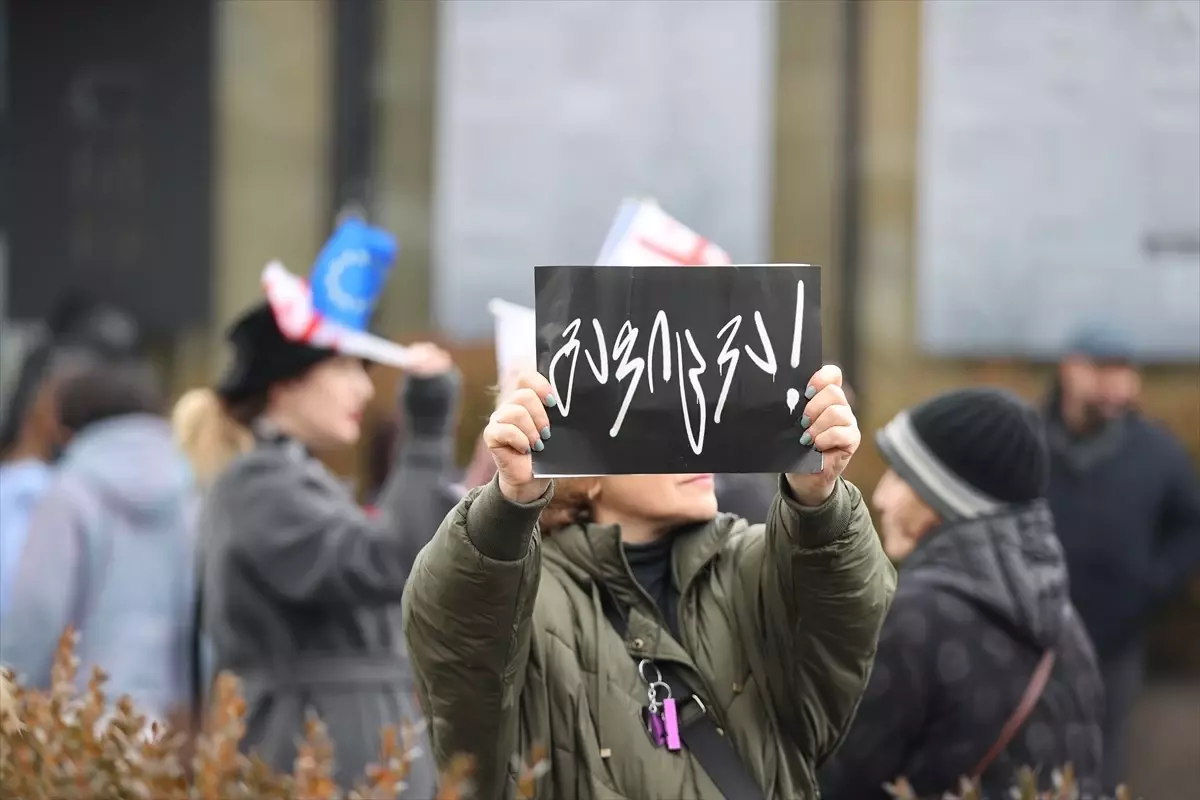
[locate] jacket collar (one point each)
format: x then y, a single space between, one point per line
268 435
593 554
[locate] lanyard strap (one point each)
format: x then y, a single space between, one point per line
704 740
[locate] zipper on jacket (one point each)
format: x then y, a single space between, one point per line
703 691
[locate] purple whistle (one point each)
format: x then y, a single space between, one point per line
671 721
655 727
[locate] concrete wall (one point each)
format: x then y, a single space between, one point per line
894 373
273 115
404 89
271 118
272 142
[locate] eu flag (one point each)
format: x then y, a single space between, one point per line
350 272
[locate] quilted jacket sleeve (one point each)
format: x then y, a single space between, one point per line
892 712
468 611
824 589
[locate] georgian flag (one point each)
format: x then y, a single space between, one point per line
643 235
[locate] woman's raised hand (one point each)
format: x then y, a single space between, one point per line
832 429
427 360
517 427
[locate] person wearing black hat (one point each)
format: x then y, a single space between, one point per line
300 587
983 665
1127 504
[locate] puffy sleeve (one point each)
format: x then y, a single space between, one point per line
468 620
892 712
824 587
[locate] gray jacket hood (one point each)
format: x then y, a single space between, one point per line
134 465
1009 564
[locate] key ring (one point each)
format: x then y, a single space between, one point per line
652 692
642 672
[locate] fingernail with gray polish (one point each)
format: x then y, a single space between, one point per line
551 401
805 421
810 392
539 446
546 432
806 439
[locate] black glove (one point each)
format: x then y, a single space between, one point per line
430 404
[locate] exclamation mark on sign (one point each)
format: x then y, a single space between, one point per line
793 396
798 331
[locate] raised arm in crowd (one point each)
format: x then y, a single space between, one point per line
540 612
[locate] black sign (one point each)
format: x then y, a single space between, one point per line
676 369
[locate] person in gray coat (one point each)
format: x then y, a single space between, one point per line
300 585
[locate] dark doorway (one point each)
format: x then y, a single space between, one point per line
109 134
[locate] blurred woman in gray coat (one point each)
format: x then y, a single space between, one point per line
300 586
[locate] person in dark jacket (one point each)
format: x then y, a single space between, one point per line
110 545
301 586
1127 506
982 622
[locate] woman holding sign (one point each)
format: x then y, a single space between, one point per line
300 587
654 648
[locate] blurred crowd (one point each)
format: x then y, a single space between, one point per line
1033 546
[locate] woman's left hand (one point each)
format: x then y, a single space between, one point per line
833 431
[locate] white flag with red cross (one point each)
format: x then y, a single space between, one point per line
643 235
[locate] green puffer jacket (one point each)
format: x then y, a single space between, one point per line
778 626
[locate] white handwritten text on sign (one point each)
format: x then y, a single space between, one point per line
706 368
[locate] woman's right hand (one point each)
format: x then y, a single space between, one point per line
517 428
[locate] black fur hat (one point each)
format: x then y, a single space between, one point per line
263 356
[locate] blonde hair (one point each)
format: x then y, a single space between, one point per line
210 436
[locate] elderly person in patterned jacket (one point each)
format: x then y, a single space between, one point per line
983 665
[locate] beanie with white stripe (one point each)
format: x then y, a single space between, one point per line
970 452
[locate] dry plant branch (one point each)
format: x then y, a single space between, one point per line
66 744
